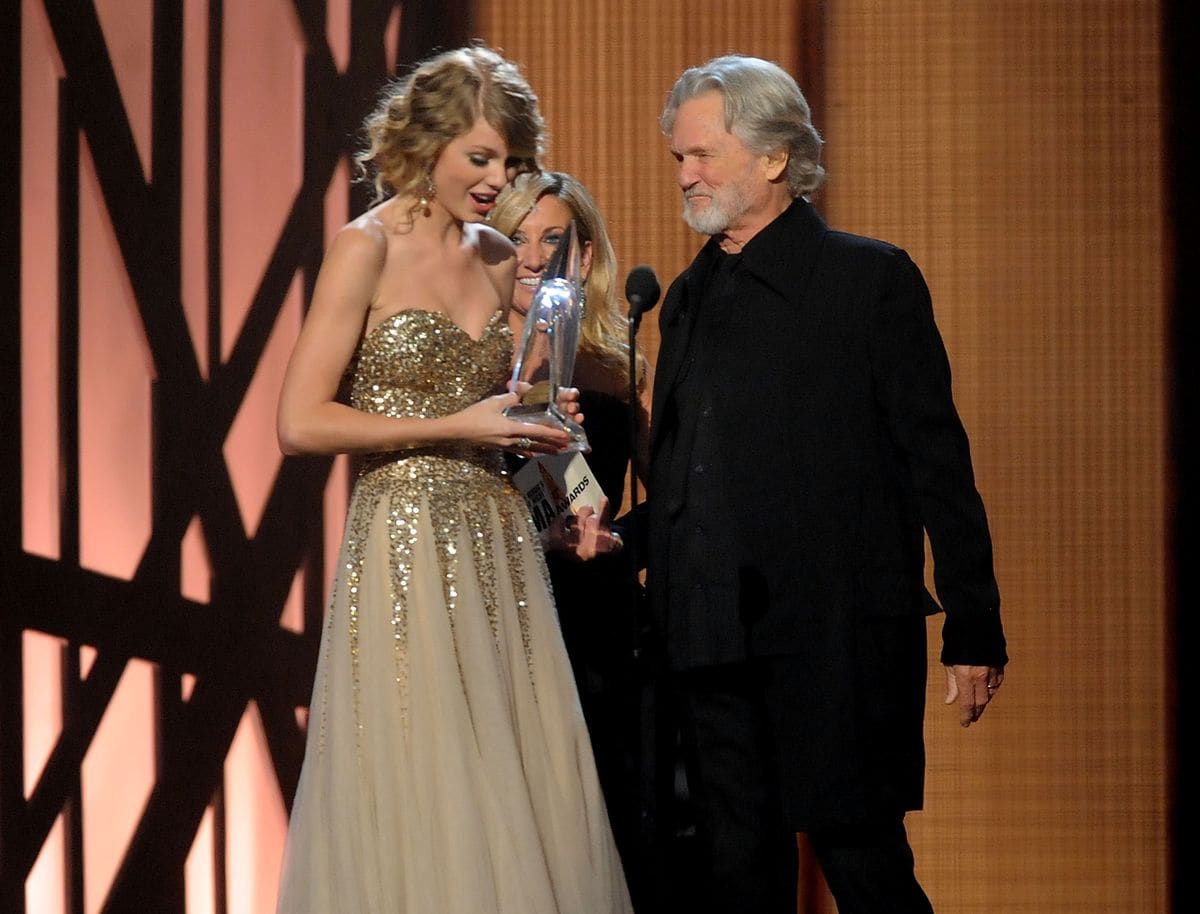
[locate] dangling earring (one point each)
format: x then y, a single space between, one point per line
582 299
428 195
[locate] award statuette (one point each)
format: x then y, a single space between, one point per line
549 341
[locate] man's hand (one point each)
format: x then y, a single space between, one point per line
568 402
584 535
972 687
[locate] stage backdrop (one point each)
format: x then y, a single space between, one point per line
181 165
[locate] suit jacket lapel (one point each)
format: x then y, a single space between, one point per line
782 255
675 324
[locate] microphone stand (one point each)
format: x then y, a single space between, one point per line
647 860
642 292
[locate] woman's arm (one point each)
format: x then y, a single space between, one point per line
311 421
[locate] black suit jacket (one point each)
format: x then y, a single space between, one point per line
843 449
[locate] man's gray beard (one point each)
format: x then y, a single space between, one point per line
712 221
720 213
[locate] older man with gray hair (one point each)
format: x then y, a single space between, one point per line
804 442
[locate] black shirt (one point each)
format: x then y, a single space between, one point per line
703 455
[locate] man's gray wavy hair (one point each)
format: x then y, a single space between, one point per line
764 108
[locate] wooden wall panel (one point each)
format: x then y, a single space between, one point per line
1014 149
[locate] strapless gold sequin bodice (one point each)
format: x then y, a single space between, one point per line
421 363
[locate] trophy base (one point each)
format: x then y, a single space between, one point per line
550 415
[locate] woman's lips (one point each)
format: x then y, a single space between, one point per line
521 302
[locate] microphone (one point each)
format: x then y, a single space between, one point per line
641 291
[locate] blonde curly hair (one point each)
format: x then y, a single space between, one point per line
419 114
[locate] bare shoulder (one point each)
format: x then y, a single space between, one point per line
362 240
494 248
351 270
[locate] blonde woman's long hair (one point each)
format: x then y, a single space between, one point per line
603 332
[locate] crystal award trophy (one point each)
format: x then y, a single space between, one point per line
550 338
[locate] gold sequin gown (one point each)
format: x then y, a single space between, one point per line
448 767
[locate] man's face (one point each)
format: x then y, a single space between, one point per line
722 180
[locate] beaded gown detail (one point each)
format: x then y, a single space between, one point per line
447 766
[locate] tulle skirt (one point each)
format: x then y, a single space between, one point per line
448 767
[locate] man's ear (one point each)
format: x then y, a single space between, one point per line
775 164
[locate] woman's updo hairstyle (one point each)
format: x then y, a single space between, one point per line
441 99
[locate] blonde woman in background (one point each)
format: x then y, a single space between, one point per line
594 598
